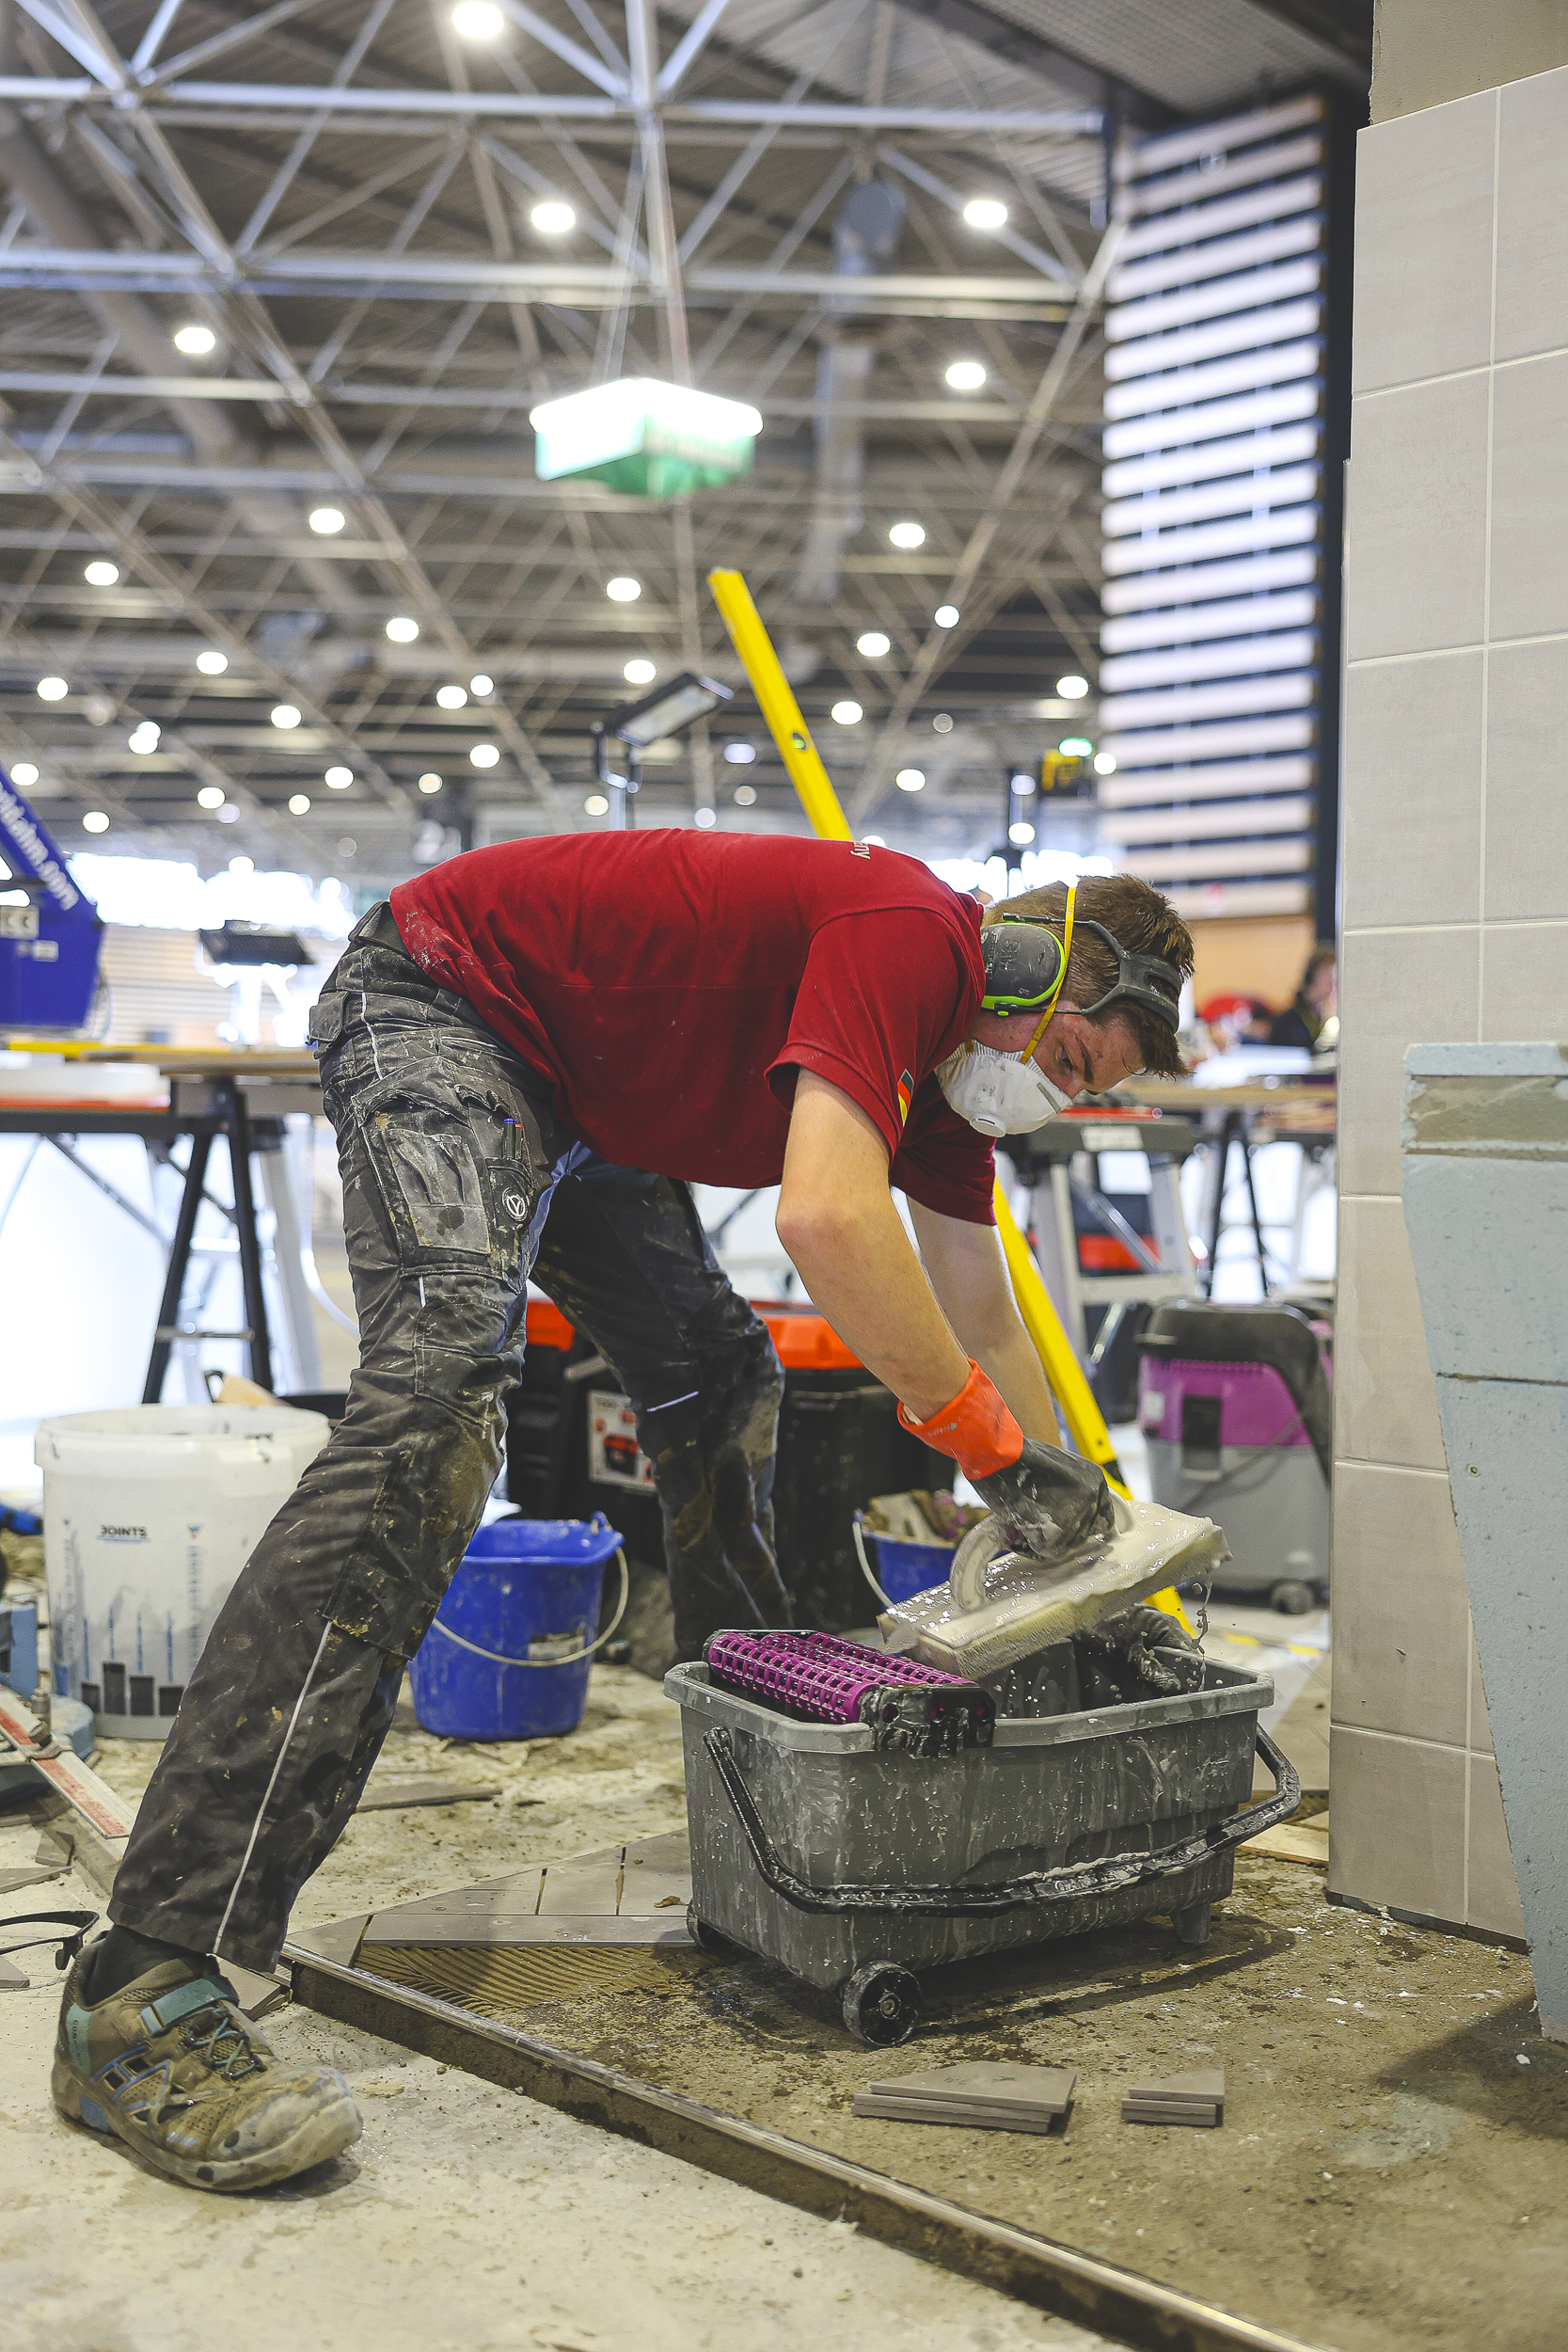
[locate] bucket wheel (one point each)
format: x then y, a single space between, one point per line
705 1938
881 2004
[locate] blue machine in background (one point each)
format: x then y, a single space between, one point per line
50 935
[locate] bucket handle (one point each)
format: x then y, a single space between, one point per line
544 1665
865 1565
1066 1884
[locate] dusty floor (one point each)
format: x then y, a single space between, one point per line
465 2220
1388 2175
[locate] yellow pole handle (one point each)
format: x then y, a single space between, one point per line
820 801
779 706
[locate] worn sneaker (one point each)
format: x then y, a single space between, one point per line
172 2066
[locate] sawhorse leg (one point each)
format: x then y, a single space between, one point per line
238 1124
179 1259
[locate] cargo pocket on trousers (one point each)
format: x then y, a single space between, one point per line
429 1177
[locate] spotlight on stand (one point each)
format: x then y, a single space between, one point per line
670 710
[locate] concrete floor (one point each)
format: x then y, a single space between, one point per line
465 2217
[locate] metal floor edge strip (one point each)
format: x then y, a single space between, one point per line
1075 2286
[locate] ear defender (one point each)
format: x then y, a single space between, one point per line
1023 965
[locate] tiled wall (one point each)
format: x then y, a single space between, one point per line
1455 910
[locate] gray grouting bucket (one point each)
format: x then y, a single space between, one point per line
813 1848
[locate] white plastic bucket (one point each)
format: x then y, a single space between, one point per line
150 1513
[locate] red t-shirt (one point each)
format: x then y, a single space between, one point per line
670 984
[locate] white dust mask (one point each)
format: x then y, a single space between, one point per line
998 1094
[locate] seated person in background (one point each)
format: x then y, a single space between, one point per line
1315 1001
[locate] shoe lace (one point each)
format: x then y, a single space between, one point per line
227 2051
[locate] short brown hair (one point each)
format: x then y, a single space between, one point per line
1142 920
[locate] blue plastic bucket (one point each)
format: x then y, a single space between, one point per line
509 1651
896 1571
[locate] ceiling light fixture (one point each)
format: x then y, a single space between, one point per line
452 697
240 865
704 817
745 796
847 714
402 628
1020 832
338 778
430 781
53 689
95 821
143 738
1075 747
908 535
623 590
966 376
644 438
1072 688
911 779
640 673
873 644
553 219
299 804
24 773
482 685
476 20
102 575
986 211
210 796
946 617
212 663
741 754
1104 763
596 804
285 715
194 342
326 520
484 756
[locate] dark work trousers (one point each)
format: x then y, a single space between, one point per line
457 1176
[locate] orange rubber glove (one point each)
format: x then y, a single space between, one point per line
974 1429
1047 1502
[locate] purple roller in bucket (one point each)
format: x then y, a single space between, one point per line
825 1679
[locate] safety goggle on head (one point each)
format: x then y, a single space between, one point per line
1026 963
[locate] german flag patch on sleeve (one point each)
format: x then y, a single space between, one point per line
906 1095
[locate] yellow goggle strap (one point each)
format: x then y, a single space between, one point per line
1044 1021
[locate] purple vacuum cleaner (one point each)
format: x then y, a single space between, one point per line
820 1678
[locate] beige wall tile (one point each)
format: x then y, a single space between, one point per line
1481 1721
1527 809
1410 785
1397 1824
1533 205
1414 562
1385 1399
1397 988
1530 499
1493 1893
1424 183
1402 1621
1524 980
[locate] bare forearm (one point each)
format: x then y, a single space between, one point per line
865 1279
1013 1362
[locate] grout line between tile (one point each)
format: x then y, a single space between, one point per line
1485 687
1444 653
1393 1469
1457 376
1399 1739
1497 923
